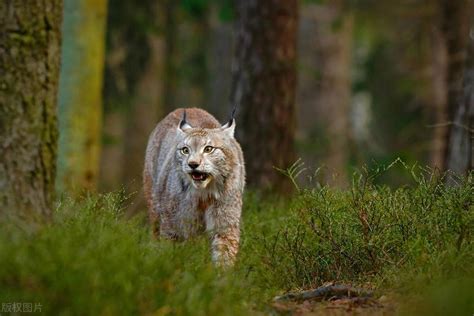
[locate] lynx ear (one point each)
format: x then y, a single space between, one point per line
183 125
229 127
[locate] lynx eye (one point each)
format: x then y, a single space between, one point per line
208 149
185 150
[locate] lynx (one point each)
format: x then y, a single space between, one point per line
194 179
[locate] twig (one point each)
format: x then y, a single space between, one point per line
467 128
323 292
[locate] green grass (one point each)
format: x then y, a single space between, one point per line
413 241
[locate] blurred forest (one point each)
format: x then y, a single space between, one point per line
341 84
374 82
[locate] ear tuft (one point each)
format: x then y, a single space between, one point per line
183 124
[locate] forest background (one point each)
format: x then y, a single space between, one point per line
374 81
361 112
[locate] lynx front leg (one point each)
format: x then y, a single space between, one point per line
224 231
154 223
225 246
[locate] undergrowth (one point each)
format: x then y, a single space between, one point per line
370 233
93 260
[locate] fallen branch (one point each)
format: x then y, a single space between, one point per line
324 292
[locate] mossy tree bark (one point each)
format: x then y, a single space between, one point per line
264 82
29 68
80 94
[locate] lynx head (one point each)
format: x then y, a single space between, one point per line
205 155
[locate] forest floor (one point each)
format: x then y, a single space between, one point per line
411 247
339 307
334 299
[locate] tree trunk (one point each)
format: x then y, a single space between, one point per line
324 89
29 67
264 82
461 145
455 26
80 94
336 96
192 49
439 95
170 71
219 61
331 105
112 154
145 111
133 89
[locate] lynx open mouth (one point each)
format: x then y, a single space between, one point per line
199 176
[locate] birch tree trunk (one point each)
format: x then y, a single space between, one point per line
80 94
29 68
264 83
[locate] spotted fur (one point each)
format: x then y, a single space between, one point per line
180 207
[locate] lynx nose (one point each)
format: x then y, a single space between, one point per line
193 164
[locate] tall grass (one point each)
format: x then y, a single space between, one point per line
93 260
372 232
